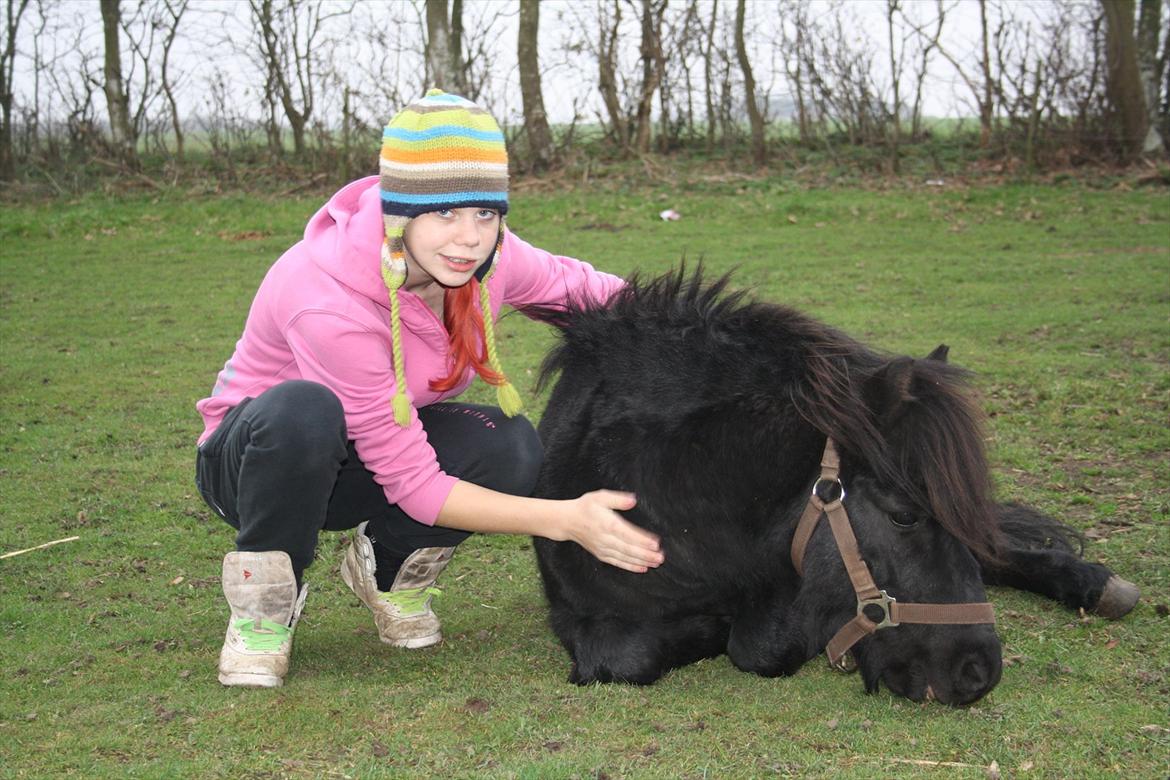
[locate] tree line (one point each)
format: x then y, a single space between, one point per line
308 82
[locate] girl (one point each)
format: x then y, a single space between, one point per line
332 413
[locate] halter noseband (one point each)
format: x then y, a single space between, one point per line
869 595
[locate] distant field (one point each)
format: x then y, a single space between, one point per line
115 315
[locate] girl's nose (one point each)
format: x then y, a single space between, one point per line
468 232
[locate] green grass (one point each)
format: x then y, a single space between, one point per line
116 314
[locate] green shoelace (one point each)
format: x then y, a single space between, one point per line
411 601
262 636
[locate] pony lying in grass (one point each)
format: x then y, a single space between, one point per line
809 492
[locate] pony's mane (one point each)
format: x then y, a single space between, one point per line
930 449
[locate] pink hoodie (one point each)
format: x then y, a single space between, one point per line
322 313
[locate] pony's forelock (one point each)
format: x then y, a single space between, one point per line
938 446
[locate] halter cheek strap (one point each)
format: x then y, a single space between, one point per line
869 596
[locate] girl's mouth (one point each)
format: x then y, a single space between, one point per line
460 263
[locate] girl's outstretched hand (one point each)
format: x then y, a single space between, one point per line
595 525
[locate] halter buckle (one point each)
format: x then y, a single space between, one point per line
885 603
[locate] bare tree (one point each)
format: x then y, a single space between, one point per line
117 97
1149 65
653 64
142 31
535 121
755 118
982 86
7 66
893 8
928 43
607 71
794 54
1122 78
708 74
475 47
174 13
839 67
391 35
292 43
30 111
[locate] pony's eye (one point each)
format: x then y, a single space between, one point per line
904 519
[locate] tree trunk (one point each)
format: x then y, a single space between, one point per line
441 69
117 100
455 47
759 150
607 76
7 66
651 70
708 90
895 78
1123 84
986 103
1149 28
535 120
802 121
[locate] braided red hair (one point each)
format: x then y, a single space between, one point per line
464 323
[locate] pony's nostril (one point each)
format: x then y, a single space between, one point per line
973 675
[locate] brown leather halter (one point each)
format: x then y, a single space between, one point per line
869 595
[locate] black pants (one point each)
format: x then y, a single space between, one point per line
280 468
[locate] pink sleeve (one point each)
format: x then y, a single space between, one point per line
534 277
356 365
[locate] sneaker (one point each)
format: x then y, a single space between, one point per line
261 590
403 614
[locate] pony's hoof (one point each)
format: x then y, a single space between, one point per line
1117 599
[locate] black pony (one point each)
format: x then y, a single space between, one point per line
715 411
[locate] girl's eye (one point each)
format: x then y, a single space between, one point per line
444 213
487 214
903 519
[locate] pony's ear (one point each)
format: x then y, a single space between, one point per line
889 388
939 353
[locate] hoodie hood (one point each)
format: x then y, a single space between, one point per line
344 239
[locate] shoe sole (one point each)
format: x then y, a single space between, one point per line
414 643
238 680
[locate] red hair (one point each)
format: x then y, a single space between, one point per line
464 323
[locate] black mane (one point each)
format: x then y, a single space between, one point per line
687 345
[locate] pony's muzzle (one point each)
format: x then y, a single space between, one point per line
974 676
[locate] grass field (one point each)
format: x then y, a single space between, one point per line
115 315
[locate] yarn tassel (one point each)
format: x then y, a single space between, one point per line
401 405
509 399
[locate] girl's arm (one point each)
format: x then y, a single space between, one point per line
533 277
590 521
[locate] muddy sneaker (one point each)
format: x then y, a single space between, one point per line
262 591
403 614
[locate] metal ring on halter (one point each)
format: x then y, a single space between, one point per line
885 603
823 481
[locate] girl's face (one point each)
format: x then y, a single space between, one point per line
447 247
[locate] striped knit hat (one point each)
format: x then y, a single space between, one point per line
441 152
